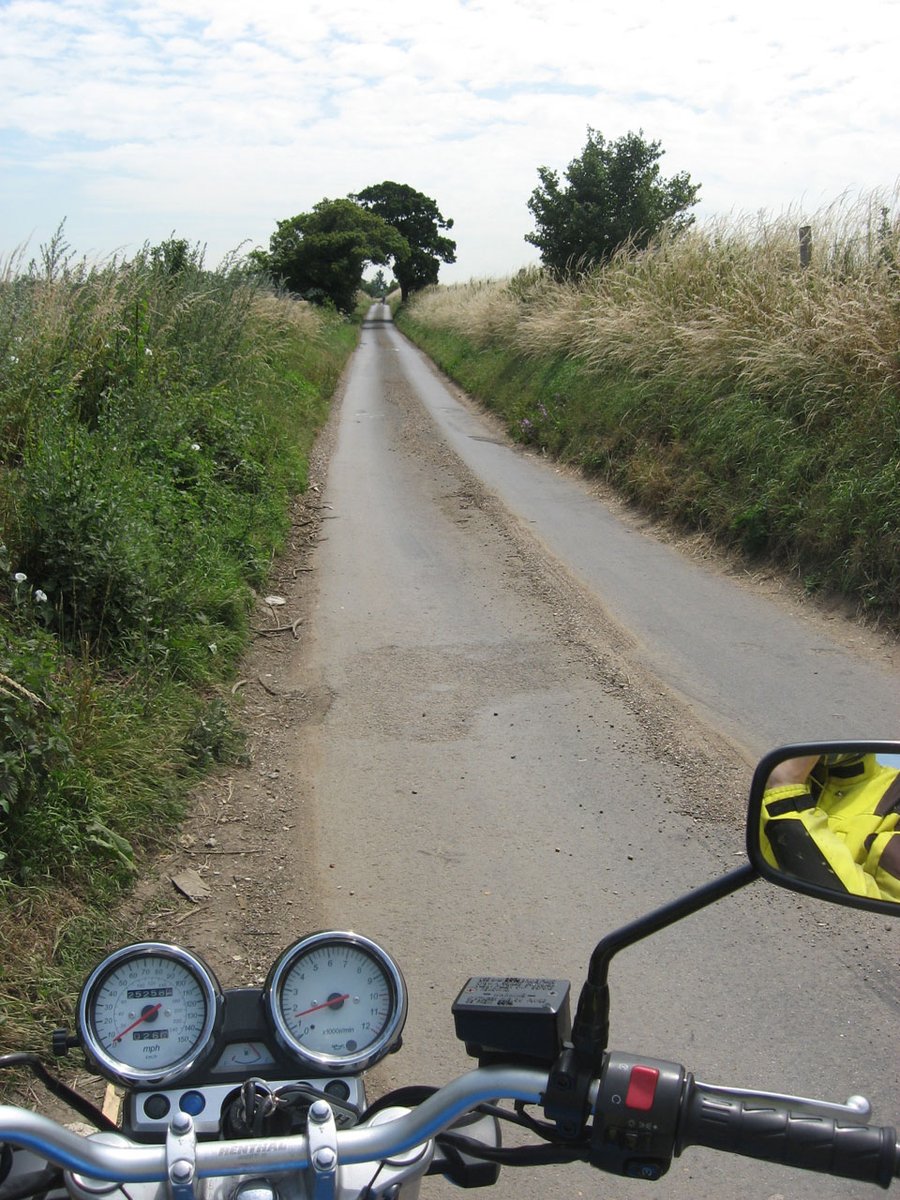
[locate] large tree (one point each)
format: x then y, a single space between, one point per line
321 255
418 219
614 194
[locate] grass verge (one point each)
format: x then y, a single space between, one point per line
155 422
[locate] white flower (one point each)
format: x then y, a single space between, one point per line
148 353
213 648
20 577
40 597
195 445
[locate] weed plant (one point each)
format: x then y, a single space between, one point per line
715 381
155 420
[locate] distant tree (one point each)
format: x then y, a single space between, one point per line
175 255
614 195
257 261
321 255
418 219
379 284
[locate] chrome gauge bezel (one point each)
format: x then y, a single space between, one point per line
351 1062
123 1073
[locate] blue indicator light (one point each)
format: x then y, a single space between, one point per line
193 1103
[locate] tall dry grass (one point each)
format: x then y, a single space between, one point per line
726 302
716 380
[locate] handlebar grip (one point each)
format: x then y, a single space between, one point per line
766 1130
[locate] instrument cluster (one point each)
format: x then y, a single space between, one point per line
151 1014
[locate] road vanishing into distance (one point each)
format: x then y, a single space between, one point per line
541 722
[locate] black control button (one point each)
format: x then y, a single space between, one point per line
157 1106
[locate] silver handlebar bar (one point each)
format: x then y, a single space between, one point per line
146 1164
870 1152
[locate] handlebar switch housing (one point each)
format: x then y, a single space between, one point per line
636 1115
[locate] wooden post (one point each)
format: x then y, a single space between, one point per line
805 245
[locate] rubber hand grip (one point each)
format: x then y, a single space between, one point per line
764 1130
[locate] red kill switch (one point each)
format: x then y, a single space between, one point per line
642 1088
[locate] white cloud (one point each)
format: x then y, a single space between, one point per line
215 118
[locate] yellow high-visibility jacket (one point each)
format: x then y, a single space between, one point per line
840 828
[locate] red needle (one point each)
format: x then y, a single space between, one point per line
316 1007
145 1016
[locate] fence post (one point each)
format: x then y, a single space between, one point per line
805 245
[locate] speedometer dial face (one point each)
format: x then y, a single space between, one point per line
337 1001
148 1013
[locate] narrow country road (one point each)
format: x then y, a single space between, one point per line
537 722
756 674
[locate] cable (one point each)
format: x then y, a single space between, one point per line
513 1156
80 1104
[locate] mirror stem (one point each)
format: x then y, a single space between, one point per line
590 1028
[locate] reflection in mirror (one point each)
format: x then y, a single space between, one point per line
832 820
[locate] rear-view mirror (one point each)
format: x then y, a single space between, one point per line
824 819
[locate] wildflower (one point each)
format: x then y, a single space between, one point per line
195 445
20 577
525 423
39 596
213 648
148 353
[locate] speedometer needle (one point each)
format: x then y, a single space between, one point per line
335 1000
145 1016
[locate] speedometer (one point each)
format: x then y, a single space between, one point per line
337 1001
149 1013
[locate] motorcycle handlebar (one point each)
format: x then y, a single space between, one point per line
758 1126
366 1143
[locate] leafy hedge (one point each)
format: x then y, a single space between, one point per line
154 422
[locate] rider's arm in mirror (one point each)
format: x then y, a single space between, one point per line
835 824
792 770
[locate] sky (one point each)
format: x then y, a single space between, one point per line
214 119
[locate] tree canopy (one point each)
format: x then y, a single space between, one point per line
614 195
321 255
417 218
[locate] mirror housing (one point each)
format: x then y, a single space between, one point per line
824 819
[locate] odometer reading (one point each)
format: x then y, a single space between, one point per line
147 1012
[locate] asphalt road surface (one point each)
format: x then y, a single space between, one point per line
540 724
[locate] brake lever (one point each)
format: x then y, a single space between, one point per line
857 1108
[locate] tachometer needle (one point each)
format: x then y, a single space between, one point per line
335 1000
145 1016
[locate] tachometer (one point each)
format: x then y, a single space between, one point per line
337 1001
149 1013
